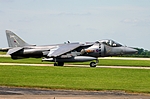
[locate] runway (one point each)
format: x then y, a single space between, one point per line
70 65
119 58
33 93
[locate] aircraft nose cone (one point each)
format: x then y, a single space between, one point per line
129 50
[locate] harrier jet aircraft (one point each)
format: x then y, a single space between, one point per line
67 52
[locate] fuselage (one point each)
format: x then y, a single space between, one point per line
95 50
67 52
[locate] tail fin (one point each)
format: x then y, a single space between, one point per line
14 40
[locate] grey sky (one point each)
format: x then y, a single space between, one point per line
56 21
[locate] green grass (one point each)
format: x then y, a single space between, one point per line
133 80
125 62
102 62
117 62
26 60
2 53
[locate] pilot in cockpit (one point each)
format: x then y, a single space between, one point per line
110 43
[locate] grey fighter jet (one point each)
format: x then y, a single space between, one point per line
67 52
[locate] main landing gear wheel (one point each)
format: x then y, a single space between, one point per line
93 64
55 64
59 64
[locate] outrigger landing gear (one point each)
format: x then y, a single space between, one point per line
93 64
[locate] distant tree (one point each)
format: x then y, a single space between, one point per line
141 53
140 50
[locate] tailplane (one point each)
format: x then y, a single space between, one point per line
14 40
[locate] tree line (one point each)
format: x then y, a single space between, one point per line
141 53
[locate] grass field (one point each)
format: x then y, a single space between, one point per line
2 53
102 62
26 60
78 78
132 80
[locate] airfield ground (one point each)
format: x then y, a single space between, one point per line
23 93
28 93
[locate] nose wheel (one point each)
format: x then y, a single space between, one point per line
93 64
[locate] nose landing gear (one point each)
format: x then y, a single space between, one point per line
93 64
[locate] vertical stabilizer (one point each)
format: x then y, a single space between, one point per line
14 40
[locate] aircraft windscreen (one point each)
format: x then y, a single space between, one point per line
110 43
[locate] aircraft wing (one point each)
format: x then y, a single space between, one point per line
62 49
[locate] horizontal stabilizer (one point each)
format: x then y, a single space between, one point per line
14 50
5 49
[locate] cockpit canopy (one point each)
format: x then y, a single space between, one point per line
110 43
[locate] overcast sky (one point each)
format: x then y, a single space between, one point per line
45 22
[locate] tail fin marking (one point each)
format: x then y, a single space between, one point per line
14 40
